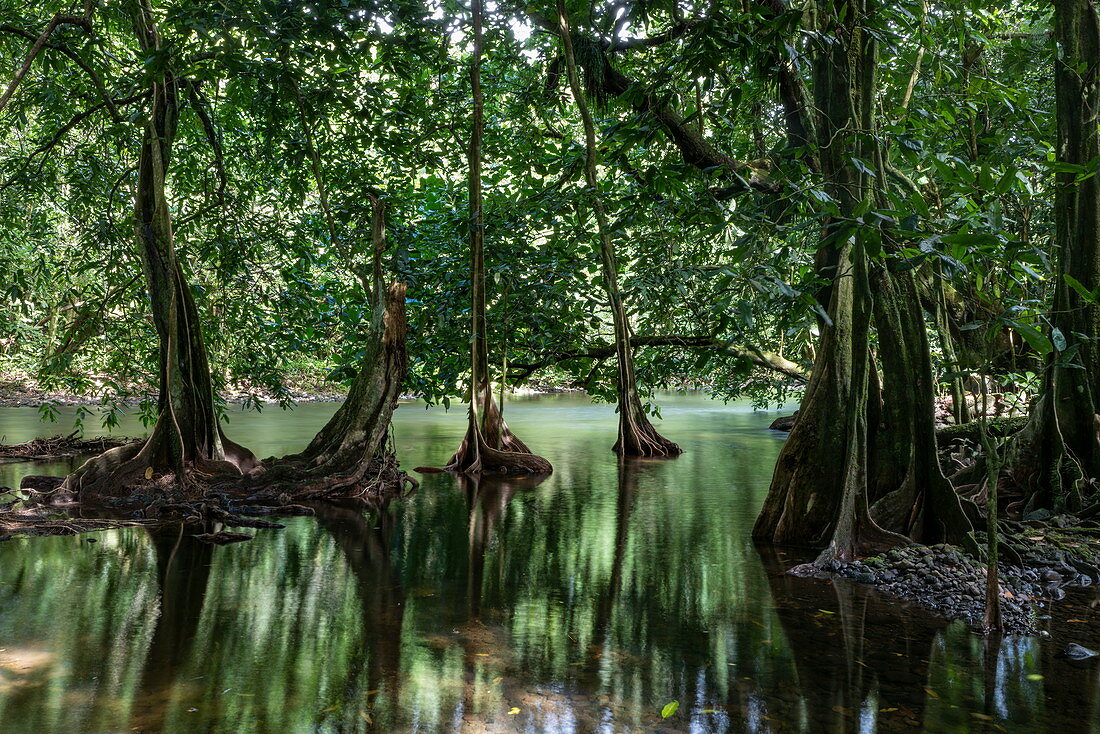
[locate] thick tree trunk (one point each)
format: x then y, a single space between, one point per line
637 436
819 493
489 446
1058 453
186 435
909 493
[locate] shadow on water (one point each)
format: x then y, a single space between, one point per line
587 602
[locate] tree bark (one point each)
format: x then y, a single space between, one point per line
819 493
637 436
909 492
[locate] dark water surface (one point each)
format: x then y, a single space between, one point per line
584 603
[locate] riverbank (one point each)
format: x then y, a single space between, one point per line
23 391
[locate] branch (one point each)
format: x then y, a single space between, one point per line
677 31
83 21
63 130
759 357
96 81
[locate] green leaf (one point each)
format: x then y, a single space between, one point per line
1081 290
1034 337
670 708
1058 338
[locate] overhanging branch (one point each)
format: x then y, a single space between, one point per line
759 357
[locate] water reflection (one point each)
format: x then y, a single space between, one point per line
583 603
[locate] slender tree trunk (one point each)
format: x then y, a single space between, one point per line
992 621
637 436
960 411
186 434
1059 451
489 446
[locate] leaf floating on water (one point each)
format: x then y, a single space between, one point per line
983 717
1034 676
513 711
825 611
930 692
330 709
888 711
669 709
1077 620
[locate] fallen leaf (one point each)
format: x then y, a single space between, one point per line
513 711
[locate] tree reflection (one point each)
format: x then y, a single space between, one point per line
861 661
183 570
363 531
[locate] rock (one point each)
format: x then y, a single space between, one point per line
784 422
1051 576
1074 651
1039 514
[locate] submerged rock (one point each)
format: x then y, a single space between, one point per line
1074 651
784 422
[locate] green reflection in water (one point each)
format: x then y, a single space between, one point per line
583 602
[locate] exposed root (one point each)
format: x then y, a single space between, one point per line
295 480
638 437
60 447
475 456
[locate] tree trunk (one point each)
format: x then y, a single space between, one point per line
350 456
1059 451
909 493
637 436
186 435
819 493
488 447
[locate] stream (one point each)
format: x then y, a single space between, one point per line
604 598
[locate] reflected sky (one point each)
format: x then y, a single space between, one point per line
585 602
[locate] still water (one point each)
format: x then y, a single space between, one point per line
591 601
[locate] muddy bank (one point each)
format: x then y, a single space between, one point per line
25 392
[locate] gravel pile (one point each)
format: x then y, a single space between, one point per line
951 583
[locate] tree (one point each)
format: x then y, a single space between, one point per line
1058 453
489 446
637 436
846 450
186 436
